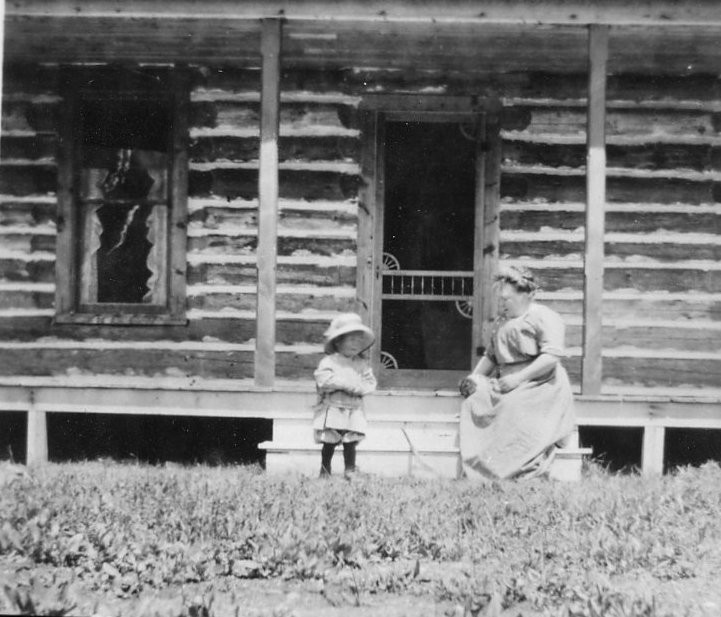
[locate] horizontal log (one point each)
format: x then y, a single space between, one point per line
30 147
21 180
294 115
658 249
14 269
226 77
661 372
569 121
615 221
69 40
702 157
295 301
246 244
246 273
697 337
294 184
622 87
572 188
650 336
24 298
27 212
30 78
629 88
28 115
306 148
149 362
660 279
218 328
228 113
302 215
630 276
216 216
681 307
28 240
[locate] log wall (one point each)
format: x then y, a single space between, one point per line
662 284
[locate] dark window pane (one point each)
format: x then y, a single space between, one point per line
125 123
123 253
123 174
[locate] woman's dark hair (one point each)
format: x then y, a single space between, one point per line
518 276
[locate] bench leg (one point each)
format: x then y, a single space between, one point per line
653 445
37 438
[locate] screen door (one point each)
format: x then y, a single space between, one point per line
430 200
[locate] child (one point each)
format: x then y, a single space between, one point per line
342 378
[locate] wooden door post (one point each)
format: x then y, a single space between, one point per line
595 206
488 251
268 203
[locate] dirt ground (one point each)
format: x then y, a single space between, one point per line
695 597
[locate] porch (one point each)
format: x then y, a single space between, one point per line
428 418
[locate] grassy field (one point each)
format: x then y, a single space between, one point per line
96 538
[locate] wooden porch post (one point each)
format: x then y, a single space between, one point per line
595 205
268 202
487 230
654 437
37 435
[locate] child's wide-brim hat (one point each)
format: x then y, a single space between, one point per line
344 324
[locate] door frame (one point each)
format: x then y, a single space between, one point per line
374 112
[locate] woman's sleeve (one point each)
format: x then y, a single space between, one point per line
490 352
550 333
331 376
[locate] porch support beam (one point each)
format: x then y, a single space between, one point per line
595 206
540 12
487 230
654 437
268 203
37 435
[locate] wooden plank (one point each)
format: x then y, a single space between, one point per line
491 222
268 202
379 215
65 276
133 395
653 450
617 12
596 201
365 281
177 276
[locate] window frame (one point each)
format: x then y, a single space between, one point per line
173 90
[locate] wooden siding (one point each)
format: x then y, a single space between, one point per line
662 278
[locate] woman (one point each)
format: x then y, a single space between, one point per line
519 401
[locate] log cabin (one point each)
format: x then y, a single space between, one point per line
190 191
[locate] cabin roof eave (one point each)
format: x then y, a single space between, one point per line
549 12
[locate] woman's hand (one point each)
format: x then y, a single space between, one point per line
509 382
467 386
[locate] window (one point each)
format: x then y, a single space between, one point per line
122 198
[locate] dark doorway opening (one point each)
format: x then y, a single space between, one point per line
429 215
157 439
